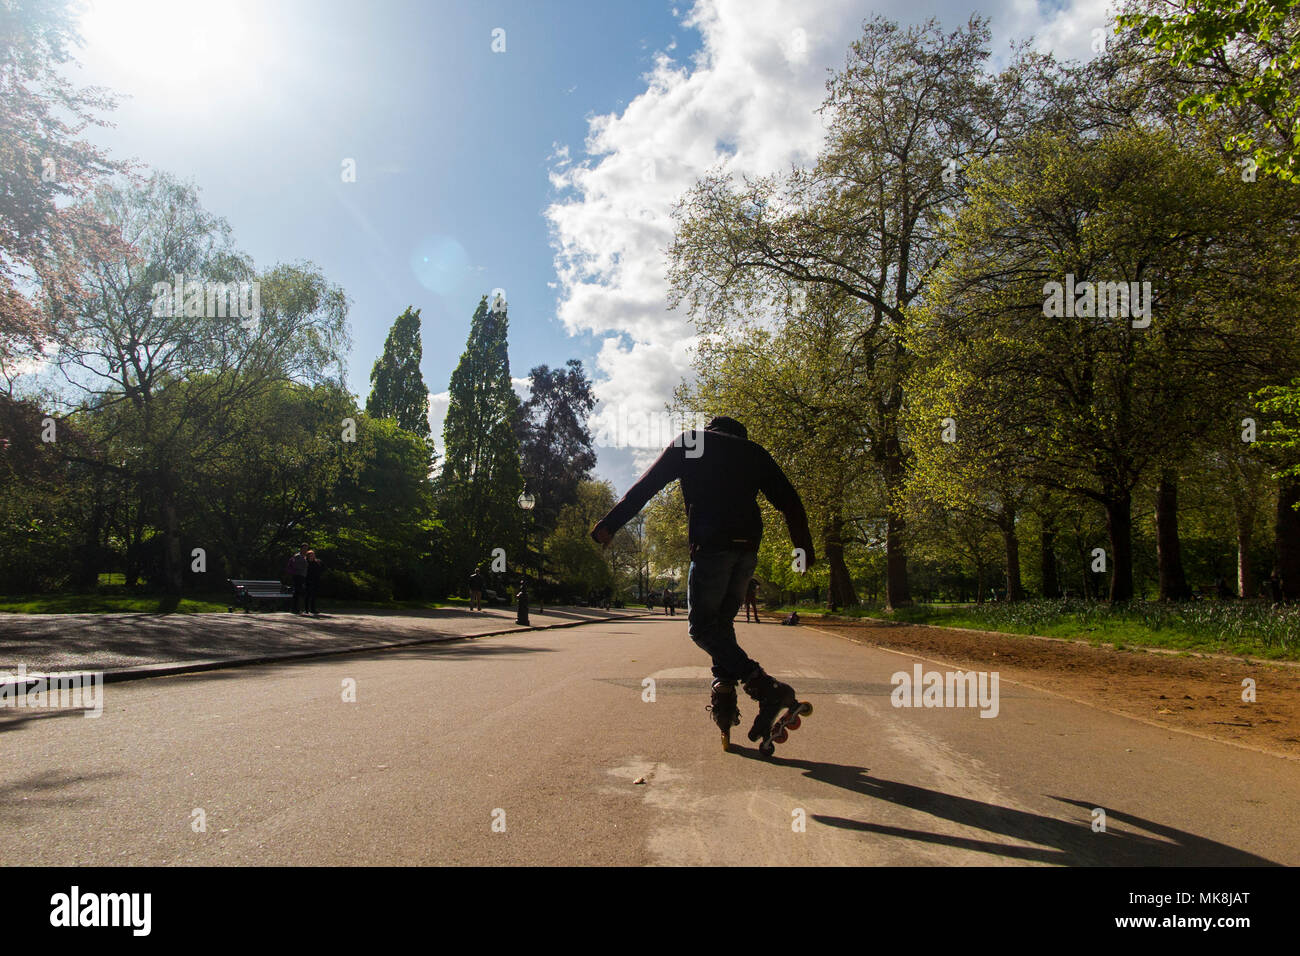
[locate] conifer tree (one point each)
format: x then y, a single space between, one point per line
397 388
481 477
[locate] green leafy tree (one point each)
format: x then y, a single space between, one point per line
579 564
1245 57
1091 404
666 530
481 476
554 440
384 521
125 348
911 108
397 388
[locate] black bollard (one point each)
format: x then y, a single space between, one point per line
522 600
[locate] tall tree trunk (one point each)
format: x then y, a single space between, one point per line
1245 537
88 572
979 583
1047 560
897 593
841 592
1286 540
1119 528
135 545
173 566
1169 552
1012 542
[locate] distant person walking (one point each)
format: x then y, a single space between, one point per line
476 590
314 570
650 602
751 599
670 602
296 570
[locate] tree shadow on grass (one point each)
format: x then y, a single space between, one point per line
1061 842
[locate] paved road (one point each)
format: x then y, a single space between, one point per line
546 732
125 642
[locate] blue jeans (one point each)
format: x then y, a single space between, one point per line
715 590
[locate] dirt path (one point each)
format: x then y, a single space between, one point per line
1202 695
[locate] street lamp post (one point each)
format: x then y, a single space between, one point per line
526 503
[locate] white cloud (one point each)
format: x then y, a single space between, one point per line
437 416
746 103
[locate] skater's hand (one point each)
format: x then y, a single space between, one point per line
601 534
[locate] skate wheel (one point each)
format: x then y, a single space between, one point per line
805 708
767 749
794 723
781 736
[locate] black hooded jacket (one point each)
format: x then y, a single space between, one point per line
721 476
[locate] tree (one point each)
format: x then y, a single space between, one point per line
44 169
1246 55
126 348
1085 400
803 391
1280 445
397 387
578 563
910 109
667 533
554 440
384 518
481 476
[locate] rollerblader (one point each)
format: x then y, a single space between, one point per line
721 472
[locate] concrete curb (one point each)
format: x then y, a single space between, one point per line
173 668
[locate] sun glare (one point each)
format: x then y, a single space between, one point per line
173 47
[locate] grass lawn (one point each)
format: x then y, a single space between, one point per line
1247 628
114 601
105 603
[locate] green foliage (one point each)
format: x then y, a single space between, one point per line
576 562
1281 403
481 477
397 385
1247 55
667 544
1239 627
554 440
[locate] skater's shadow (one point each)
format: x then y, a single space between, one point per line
1047 839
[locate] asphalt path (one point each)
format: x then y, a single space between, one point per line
526 749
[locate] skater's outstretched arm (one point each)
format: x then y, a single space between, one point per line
777 489
667 468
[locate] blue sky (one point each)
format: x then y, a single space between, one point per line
546 169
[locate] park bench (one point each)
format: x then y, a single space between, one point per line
247 591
